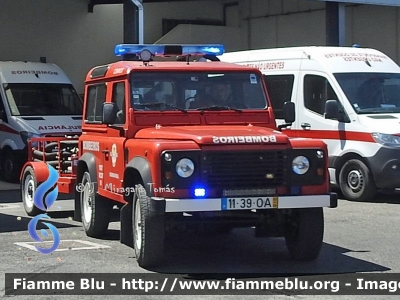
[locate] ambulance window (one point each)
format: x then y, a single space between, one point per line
118 98
95 100
280 89
316 91
70 102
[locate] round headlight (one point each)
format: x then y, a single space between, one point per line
300 165
185 167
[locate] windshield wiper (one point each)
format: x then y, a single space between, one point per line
161 104
219 107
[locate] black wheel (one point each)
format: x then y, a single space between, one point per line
356 181
304 232
95 209
148 230
10 166
29 185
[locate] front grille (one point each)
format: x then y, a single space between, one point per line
244 169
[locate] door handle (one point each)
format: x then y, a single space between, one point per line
105 151
306 126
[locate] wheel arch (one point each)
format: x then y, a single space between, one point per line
340 161
39 167
87 162
138 171
9 144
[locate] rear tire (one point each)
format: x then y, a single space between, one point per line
95 209
28 187
148 230
304 232
356 181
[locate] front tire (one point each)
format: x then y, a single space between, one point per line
29 185
95 209
304 232
356 181
148 230
10 166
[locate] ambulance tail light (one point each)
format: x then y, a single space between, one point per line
166 50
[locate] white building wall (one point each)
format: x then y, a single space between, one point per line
230 37
189 10
376 27
62 31
282 23
66 34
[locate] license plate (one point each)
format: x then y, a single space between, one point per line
249 203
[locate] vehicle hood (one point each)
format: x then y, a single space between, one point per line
383 123
49 124
216 134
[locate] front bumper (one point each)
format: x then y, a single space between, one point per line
170 205
385 167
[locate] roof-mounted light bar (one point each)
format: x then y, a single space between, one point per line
167 50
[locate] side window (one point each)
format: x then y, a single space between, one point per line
316 91
96 96
118 97
280 89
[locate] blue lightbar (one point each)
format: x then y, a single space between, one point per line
164 50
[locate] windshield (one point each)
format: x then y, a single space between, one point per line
200 90
39 99
372 92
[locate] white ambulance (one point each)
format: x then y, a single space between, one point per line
37 99
361 126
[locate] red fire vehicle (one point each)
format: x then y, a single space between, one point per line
188 142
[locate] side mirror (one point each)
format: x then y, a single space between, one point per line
109 113
289 112
332 110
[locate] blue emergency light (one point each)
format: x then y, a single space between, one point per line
165 50
200 192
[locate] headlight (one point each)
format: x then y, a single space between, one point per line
26 136
300 165
184 167
386 139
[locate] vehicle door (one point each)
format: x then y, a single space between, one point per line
94 129
314 90
114 141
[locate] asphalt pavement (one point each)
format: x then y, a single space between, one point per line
359 238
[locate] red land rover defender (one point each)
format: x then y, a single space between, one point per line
192 142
